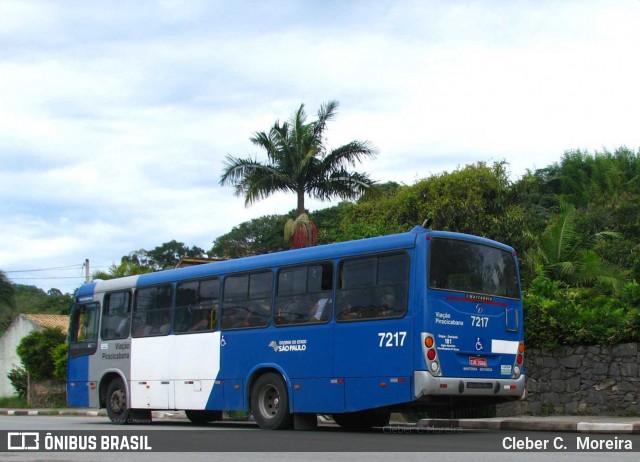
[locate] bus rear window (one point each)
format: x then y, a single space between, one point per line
471 267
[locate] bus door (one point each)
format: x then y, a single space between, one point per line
83 344
474 308
373 347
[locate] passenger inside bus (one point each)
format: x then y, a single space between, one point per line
205 321
320 311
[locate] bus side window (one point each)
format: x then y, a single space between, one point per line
247 300
304 294
152 311
197 306
373 287
116 316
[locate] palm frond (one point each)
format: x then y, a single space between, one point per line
349 154
559 239
326 113
235 169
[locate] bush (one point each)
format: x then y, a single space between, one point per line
36 352
557 315
60 356
18 378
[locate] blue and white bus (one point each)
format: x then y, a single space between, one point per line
356 329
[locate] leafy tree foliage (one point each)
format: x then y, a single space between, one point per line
19 379
168 255
60 356
254 237
164 256
570 258
32 299
36 351
7 302
125 268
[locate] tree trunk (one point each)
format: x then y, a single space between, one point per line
300 209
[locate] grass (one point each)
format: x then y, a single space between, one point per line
13 402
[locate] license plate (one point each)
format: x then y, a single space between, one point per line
478 362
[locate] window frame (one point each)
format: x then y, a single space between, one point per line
247 322
430 278
107 315
148 329
382 295
307 300
214 314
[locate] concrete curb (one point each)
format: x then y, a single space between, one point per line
568 424
54 412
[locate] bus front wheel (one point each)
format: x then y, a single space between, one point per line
270 402
117 409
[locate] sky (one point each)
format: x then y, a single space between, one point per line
116 117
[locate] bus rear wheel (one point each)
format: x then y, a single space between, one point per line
203 417
117 409
270 402
362 420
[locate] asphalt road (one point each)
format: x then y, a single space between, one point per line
169 440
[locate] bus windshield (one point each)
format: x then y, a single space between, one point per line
472 268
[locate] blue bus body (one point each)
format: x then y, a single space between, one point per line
443 343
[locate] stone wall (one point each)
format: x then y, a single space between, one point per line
46 393
589 380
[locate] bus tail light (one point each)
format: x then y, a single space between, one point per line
430 353
428 342
517 367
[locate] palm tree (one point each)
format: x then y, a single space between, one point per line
125 268
564 257
299 162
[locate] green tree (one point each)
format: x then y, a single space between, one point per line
32 299
7 302
566 256
298 161
36 351
257 236
168 255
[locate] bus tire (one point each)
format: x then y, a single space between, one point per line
362 420
203 417
270 402
116 402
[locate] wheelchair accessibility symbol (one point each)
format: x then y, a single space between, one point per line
479 344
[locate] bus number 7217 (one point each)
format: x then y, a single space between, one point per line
391 339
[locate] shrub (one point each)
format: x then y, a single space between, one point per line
18 378
60 355
557 315
36 352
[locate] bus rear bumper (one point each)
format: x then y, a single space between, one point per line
427 385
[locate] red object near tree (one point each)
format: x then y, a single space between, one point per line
305 235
